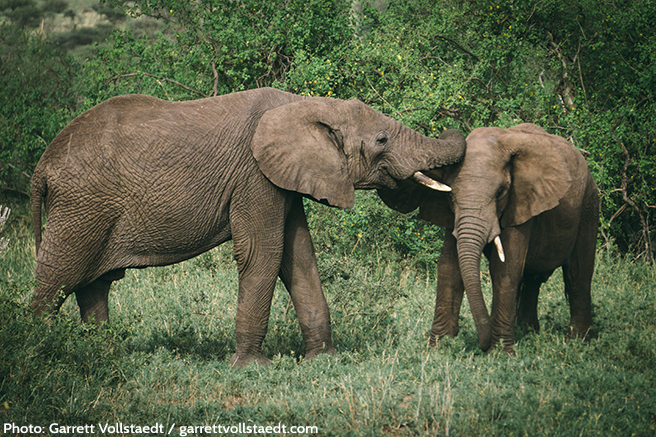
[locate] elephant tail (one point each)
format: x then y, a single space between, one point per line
39 188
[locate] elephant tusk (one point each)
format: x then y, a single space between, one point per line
422 179
497 243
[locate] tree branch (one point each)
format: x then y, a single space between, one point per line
164 79
215 90
627 200
458 46
10 165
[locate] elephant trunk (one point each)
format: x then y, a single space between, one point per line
420 153
472 235
453 146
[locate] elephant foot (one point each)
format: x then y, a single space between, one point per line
244 359
585 335
503 346
437 335
314 352
433 340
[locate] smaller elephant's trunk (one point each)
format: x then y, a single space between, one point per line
471 240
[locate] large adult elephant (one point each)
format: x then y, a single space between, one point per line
137 181
530 195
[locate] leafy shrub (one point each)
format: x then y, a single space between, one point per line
372 231
38 97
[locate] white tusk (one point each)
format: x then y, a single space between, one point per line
497 243
422 179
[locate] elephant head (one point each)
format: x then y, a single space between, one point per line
507 177
325 148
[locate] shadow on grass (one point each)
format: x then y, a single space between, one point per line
186 341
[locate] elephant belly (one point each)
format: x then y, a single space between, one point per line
552 239
167 235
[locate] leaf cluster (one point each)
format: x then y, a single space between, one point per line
39 89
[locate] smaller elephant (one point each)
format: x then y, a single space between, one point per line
531 196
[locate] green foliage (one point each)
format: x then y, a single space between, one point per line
22 12
248 43
372 229
68 41
38 97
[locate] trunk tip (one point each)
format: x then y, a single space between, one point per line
485 342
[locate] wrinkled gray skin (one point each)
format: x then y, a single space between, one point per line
535 191
137 181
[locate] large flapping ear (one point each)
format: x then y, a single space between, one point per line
436 209
299 147
540 172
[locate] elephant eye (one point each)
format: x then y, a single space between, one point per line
381 139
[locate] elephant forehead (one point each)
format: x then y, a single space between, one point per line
486 152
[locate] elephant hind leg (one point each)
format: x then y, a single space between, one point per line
47 299
300 275
93 298
578 271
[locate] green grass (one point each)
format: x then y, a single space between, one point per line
164 356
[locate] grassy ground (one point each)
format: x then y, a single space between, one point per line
164 357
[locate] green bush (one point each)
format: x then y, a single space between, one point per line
372 231
38 96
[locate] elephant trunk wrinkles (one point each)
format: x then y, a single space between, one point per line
426 153
453 146
472 237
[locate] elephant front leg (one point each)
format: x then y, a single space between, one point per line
527 303
506 278
258 247
300 275
450 290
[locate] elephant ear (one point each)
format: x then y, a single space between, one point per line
436 209
540 173
299 147
404 199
